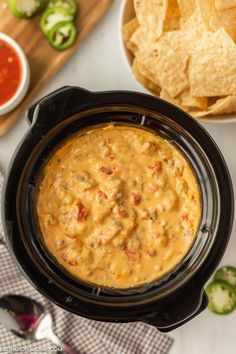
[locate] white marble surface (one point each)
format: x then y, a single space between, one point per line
98 64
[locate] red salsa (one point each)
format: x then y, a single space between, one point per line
10 72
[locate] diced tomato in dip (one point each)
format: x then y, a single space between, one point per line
10 72
156 167
132 256
123 213
123 223
108 170
82 212
137 198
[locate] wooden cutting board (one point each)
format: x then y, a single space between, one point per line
44 61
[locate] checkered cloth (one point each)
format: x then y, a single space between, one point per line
85 336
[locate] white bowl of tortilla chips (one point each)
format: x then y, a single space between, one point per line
184 51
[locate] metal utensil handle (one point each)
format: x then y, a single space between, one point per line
65 348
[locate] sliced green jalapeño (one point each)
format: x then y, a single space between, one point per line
227 274
69 5
26 8
52 17
62 35
222 297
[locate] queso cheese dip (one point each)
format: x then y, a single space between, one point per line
118 206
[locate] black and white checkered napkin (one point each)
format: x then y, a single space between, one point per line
86 336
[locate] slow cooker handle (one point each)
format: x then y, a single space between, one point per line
31 110
59 105
180 309
202 307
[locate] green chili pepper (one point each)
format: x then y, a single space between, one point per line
52 17
69 5
62 35
222 297
26 8
227 274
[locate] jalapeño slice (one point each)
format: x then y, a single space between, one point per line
222 297
227 274
52 17
62 35
26 8
69 5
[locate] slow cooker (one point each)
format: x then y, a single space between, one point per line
173 299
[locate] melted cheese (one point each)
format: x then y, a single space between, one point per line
118 206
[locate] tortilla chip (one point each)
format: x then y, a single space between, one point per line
194 23
225 19
207 9
165 96
187 100
143 79
172 20
221 5
175 39
127 31
222 106
144 69
167 63
140 40
151 15
215 20
170 68
212 67
187 7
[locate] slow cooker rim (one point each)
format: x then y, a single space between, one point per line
119 291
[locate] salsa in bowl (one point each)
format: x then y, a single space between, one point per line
14 74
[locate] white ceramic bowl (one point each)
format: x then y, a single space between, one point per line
126 14
25 77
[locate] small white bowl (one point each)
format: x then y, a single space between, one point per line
126 14
25 77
